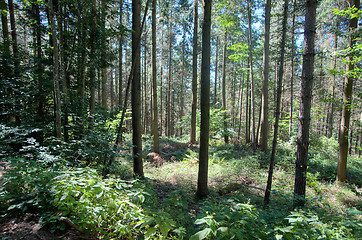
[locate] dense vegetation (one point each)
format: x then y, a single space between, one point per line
107 129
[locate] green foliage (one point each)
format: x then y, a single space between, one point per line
229 220
106 206
308 225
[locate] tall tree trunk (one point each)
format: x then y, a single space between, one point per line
202 188
247 107
301 162
331 108
39 69
120 63
135 59
5 29
226 137
168 94
216 64
277 111
103 67
347 99
161 88
57 98
92 67
156 146
62 72
111 87
181 114
292 73
252 91
241 104
13 33
136 90
264 94
194 75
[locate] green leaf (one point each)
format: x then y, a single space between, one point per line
223 229
201 234
165 227
150 232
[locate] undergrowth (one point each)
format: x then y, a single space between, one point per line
163 205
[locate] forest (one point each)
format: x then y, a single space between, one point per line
185 119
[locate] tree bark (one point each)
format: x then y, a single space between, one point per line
277 112
253 139
331 108
226 137
264 94
136 90
156 146
216 65
13 33
5 28
292 73
347 99
56 80
120 61
305 103
194 75
202 187
92 67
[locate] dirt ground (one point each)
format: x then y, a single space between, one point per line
27 227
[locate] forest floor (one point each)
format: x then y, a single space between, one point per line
236 175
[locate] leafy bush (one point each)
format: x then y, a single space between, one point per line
308 225
230 220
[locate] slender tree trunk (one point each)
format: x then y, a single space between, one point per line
305 103
277 112
241 105
156 146
226 137
41 95
169 85
92 67
136 90
247 115
216 64
331 108
120 63
5 29
264 94
252 91
103 68
135 59
62 74
202 187
57 98
112 88
13 33
194 75
347 99
292 73
161 88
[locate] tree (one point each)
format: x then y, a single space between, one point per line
56 79
264 101
194 75
92 67
226 137
154 82
136 89
301 162
202 188
277 111
292 73
347 99
252 90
